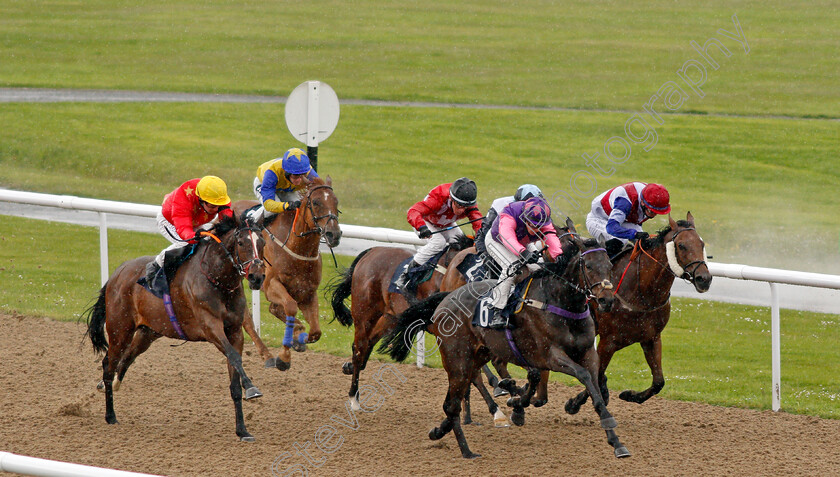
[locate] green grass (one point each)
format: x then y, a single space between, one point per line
712 352
761 189
603 54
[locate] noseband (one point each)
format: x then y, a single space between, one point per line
682 271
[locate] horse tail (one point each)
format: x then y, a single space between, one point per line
416 318
339 288
95 318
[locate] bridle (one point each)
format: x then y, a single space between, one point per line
241 267
317 228
682 271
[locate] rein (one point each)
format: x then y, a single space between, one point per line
315 229
240 267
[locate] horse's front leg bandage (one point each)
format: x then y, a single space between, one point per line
290 329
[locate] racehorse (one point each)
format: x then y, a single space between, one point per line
374 308
293 265
643 291
555 331
208 302
454 279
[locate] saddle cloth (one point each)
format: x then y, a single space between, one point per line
481 315
416 275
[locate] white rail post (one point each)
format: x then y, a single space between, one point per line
255 307
776 346
421 348
103 247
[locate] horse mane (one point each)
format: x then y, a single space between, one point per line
462 242
659 238
558 268
224 225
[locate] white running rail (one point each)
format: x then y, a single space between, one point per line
20 464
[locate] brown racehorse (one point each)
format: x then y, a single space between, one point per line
293 265
643 281
555 334
209 305
373 308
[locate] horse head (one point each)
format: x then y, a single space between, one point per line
320 211
245 247
686 253
595 268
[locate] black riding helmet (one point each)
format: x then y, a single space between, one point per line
464 192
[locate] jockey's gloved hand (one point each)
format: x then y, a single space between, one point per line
424 232
642 236
292 205
529 256
197 236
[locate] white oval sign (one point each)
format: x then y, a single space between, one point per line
312 112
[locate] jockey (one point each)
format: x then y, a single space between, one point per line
279 181
524 192
518 225
434 218
617 215
185 212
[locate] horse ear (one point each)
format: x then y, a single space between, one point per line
689 218
570 224
672 222
329 180
602 241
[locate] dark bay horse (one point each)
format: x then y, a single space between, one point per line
643 281
555 334
209 305
374 309
293 265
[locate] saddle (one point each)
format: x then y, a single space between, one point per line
161 279
478 266
416 275
481 315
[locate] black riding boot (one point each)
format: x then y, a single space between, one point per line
497 321
402 281
613 246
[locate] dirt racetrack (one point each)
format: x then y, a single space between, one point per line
176 418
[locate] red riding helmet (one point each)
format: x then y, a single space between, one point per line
655 197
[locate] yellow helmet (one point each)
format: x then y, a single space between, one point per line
212 190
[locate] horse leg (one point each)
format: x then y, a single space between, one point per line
231 346
606 351
588 376
501 369
119 337
499 417
452 407
284 307
143 338
262 349
467 412
653 355
519 403
363 343
310 314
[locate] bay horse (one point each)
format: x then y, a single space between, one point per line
208 302
374 309
293 265
643 306
555 334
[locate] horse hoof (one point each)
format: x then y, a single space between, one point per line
622 452
518 418
271 363
499 392
252 393
101 386
571 408
471 455
539 402
282 365
299 347
347 368
248 438
435 434
501 422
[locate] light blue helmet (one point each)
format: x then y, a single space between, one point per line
295 161
526 191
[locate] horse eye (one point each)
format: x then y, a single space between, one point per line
316 203
682 247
